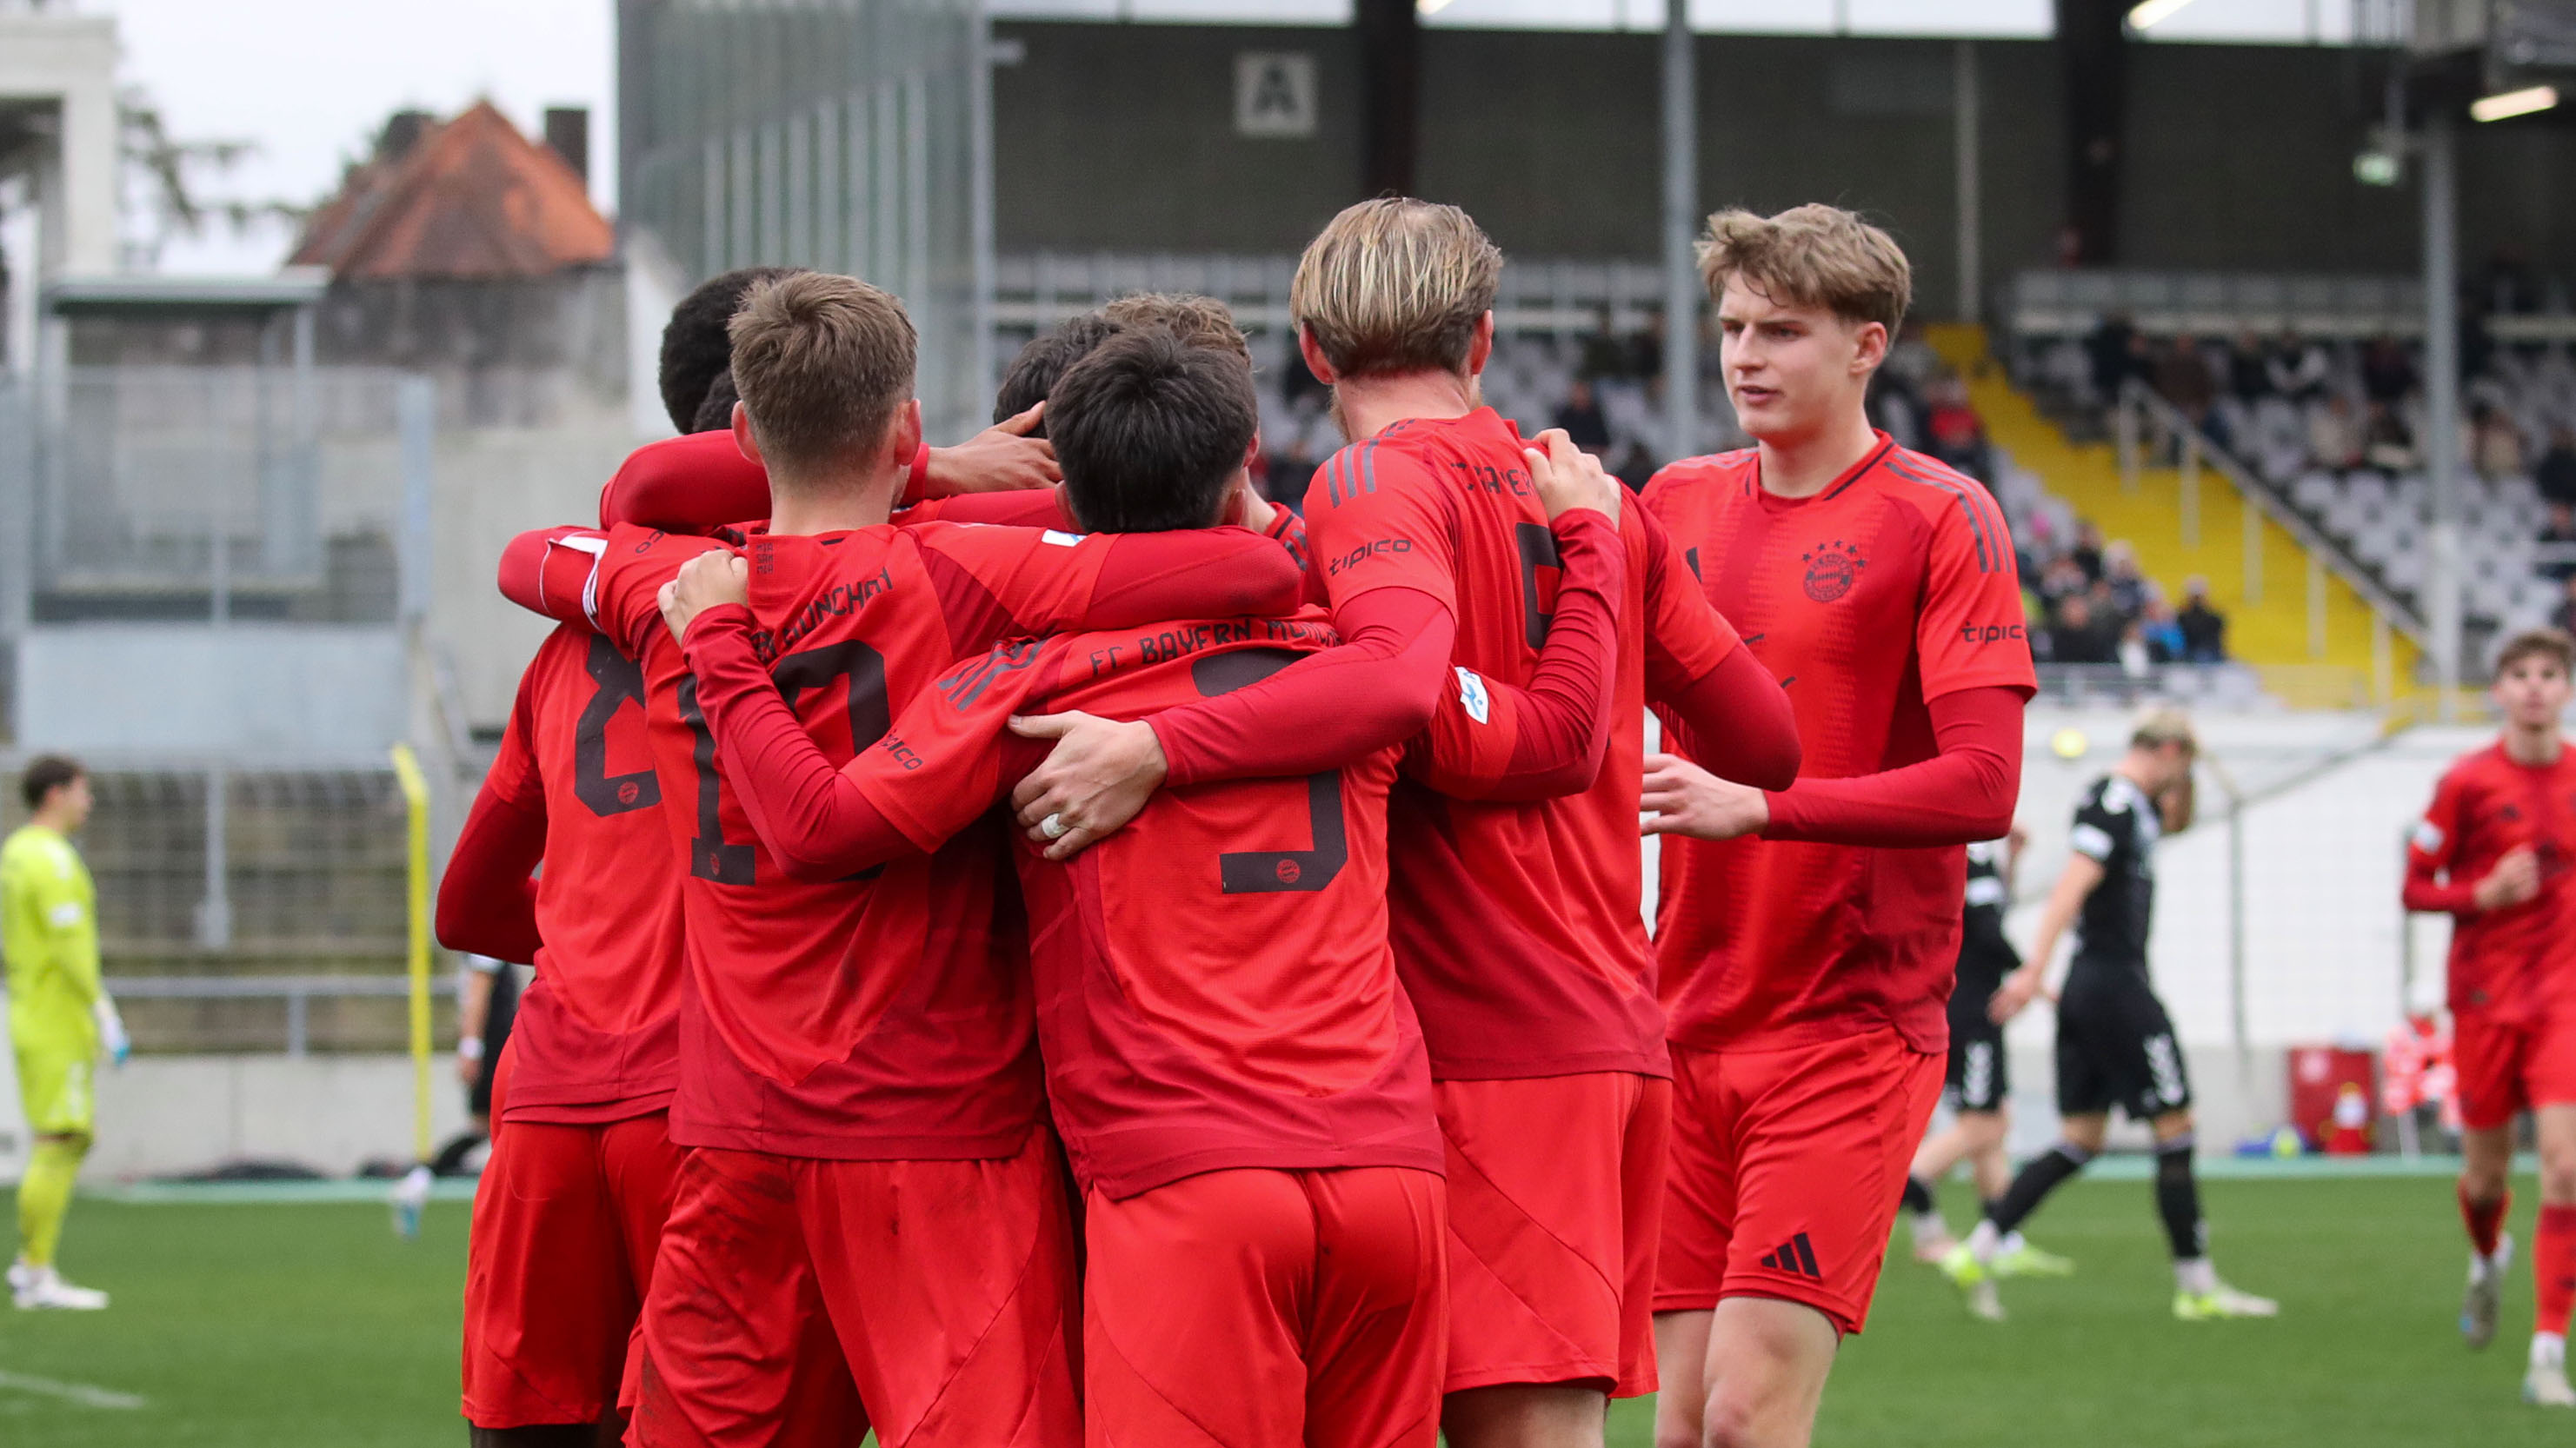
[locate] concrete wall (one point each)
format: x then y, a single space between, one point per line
272 691
162 1115
1121 138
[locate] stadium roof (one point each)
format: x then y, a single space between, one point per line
470 199
2237 21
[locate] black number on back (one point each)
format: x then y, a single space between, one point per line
1538 550
616 680
711 855
1270 872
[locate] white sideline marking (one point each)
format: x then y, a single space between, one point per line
81 1393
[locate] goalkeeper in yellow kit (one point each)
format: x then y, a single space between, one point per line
59 1017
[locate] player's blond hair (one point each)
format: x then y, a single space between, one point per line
2551 643
2164 725
1810 256
822 364
1396 285
1198 321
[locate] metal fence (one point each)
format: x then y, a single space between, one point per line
215 493
847 135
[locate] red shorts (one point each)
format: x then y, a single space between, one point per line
1555 1183
2509 1066
806 1300
1267 1309
566 1223
1787 1167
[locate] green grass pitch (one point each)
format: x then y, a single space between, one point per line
311 1325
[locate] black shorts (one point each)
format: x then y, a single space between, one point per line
2116 1047
1980 1078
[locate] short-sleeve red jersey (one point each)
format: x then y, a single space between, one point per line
1894 585
1214 985
1515 926
2517 963
595 1037
876 1017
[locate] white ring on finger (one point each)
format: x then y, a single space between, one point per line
1054 827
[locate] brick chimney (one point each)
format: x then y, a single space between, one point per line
568 132
403 130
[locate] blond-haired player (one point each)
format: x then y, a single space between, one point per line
1809 934
1515 871
2115 1042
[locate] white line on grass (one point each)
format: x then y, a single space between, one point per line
81 1393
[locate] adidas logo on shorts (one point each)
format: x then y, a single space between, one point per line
1795 1257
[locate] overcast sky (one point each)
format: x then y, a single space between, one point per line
310 81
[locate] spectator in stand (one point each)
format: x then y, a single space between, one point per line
2249 370
1581 418
2111 348
2386 373
1957 435
1603 356
2335 435
2062 579
2182 378
1285 473
2157 626
2136 658
2077 638
2494 443
1643 351
1297 384
2565 617
2087 552
2559 533
2386 444
2120 575
2556 472
2300 369
1636 467
2204 629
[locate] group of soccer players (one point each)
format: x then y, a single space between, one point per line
1117 961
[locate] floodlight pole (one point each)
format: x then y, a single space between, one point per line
2442 407
1681 227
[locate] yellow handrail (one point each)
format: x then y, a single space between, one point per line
415 791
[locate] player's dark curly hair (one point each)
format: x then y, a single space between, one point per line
695 345
1150 431
715 414
1033 373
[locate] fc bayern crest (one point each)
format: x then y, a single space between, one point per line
1832 569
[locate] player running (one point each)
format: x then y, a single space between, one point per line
869 1230
1979 1078
60 1018
1241 1084
2115 1042
2493 852
1513 913
1808 933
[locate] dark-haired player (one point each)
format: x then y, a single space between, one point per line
60 1017
2115 1041
1980 1077
1516 875
1808 934
2496 851
858 1081
1239 1079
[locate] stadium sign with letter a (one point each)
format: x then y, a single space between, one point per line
1274 93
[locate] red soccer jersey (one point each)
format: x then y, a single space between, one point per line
594 1039
1215 989
1515 925
2517 963
875 1017
1893 586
